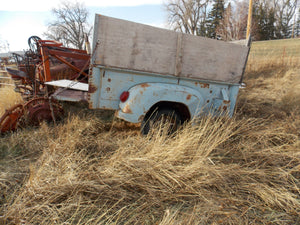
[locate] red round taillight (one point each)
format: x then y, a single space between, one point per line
124 96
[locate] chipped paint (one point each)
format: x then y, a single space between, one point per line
158 93
147 90
202 85
145 85
127 109
92 88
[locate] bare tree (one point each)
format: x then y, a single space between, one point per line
234 23
187 16
70 25
284 12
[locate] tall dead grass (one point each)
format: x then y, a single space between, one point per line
243 170
8 98
273 80
220 171
268 56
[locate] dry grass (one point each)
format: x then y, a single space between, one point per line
244 170
273 85
270 55
8 98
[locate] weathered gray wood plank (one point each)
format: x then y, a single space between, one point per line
212 60
135 46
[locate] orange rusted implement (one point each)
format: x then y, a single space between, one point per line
47 60
32 113
59 62
10 120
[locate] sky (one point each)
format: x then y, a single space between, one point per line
20 19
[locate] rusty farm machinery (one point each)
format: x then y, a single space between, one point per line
45 61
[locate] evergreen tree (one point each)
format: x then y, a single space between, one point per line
265 22
214 18
202 30
225 28
274 19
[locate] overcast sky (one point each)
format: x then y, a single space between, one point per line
20 19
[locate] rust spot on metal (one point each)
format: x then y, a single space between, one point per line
224 108
204 85
92 88
109 80
127 109
141 92
226 102
145 85
107 89
188 97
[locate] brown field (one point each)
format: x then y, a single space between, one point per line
90 170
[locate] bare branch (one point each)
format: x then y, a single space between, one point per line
70 24
186 15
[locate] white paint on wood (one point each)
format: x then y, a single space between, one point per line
69 84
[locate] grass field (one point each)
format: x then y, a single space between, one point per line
244 170
280 53
287 47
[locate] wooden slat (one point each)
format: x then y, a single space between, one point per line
133 46
213 60
69 84
179 50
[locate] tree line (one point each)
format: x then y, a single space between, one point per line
218 19
227 20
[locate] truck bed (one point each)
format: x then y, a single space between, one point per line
137 47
